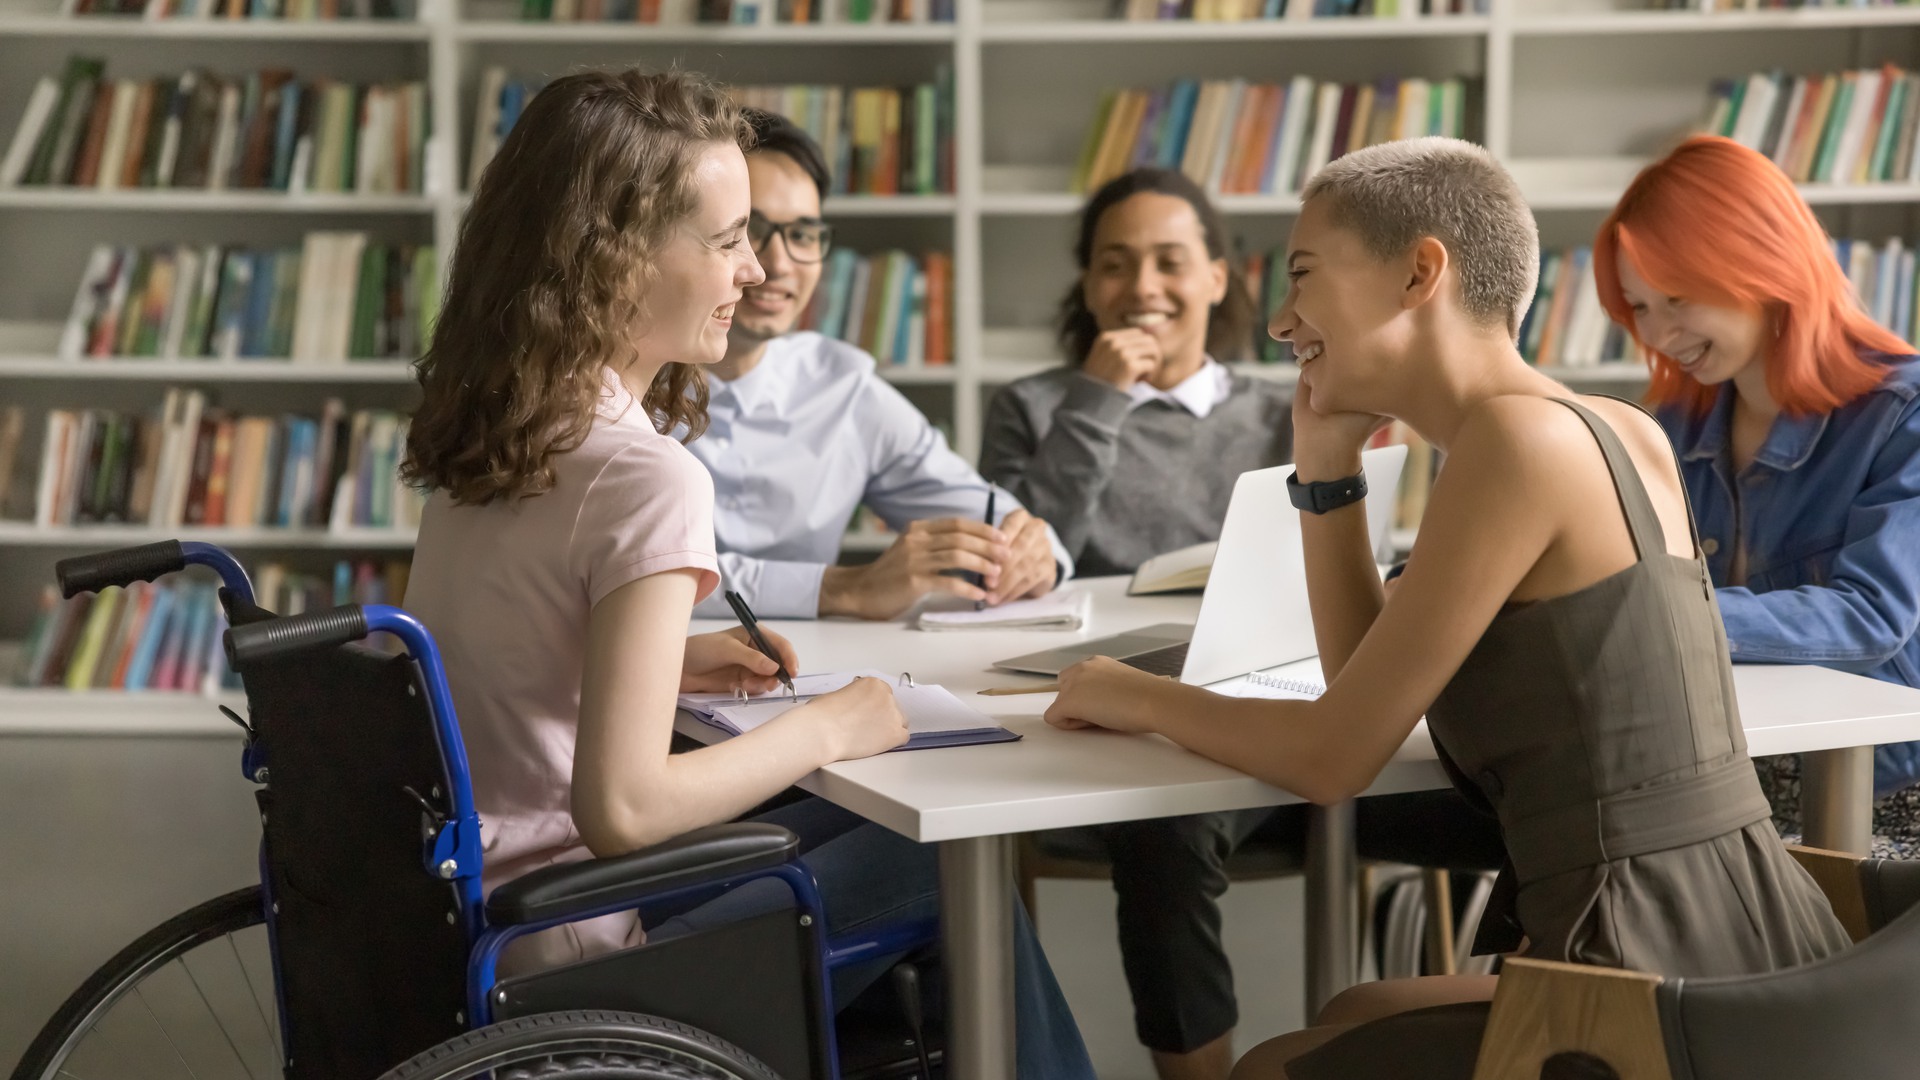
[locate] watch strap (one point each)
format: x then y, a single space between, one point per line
1322 496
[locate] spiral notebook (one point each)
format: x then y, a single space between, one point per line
1259 684
934 716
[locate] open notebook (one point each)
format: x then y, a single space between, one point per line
935 716
1184 570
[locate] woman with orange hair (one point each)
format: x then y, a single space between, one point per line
1795 416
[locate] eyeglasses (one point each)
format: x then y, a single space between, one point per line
807 241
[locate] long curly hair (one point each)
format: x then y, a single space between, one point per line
550 276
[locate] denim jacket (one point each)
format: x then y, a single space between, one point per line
1829 512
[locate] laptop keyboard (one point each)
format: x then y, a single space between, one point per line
1164 661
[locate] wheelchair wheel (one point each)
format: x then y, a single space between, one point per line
585 1046
191 997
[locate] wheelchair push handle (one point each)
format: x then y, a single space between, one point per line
275 638
121 566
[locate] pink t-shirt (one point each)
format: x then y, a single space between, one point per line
506 589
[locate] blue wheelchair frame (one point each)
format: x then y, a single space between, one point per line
453 851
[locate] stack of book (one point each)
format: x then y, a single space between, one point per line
1242 10
1240 138
877 140
189 463
263 131
896 306
336 297
165 634
1565 326
1852 127
738 12
300 10
1884 280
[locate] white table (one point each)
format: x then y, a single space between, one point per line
973 800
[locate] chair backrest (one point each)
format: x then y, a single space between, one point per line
1889 889
370 949
1852 1014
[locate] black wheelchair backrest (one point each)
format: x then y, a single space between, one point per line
372 948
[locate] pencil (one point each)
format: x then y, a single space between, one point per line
1009 691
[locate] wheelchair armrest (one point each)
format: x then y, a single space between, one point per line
704 855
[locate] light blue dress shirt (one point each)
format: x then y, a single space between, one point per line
795 446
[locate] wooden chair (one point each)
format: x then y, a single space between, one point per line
1851 1015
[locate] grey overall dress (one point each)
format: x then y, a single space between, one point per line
1600 728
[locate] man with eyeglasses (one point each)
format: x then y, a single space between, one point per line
802 431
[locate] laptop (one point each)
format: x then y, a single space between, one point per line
1254 613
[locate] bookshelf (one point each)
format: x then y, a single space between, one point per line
1574 94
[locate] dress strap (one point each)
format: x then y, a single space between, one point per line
1642 521
1693 527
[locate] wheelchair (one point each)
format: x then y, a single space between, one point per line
367 949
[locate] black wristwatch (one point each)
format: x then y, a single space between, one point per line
1324 495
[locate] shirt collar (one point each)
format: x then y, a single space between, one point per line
616 401
762 391
1199 393
1788 445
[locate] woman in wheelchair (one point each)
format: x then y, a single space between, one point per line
568 535
1555 625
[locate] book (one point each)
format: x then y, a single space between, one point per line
1062 609
934 716
33 124
1182 570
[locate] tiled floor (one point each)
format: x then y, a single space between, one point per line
1263 932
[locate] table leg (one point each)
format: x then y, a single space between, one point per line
1836 799
976 933
1332 945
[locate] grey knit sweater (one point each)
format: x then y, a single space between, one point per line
1123 484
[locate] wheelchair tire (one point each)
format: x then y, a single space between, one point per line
220 917
585 1046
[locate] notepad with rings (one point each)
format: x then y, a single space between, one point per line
934 716
1259 684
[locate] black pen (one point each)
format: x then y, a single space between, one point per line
981 579
746 617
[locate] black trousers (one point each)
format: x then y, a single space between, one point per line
1168 877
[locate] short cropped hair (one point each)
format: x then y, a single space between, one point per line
777 134
1393 194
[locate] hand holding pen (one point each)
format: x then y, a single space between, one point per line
759 638
980 580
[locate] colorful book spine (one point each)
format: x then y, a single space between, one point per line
895 305
1848 127
332 302
262 131
164 635
1236 138
1258 10
189 464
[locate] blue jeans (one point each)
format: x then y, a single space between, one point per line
870 875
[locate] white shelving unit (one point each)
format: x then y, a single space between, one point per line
1574 95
